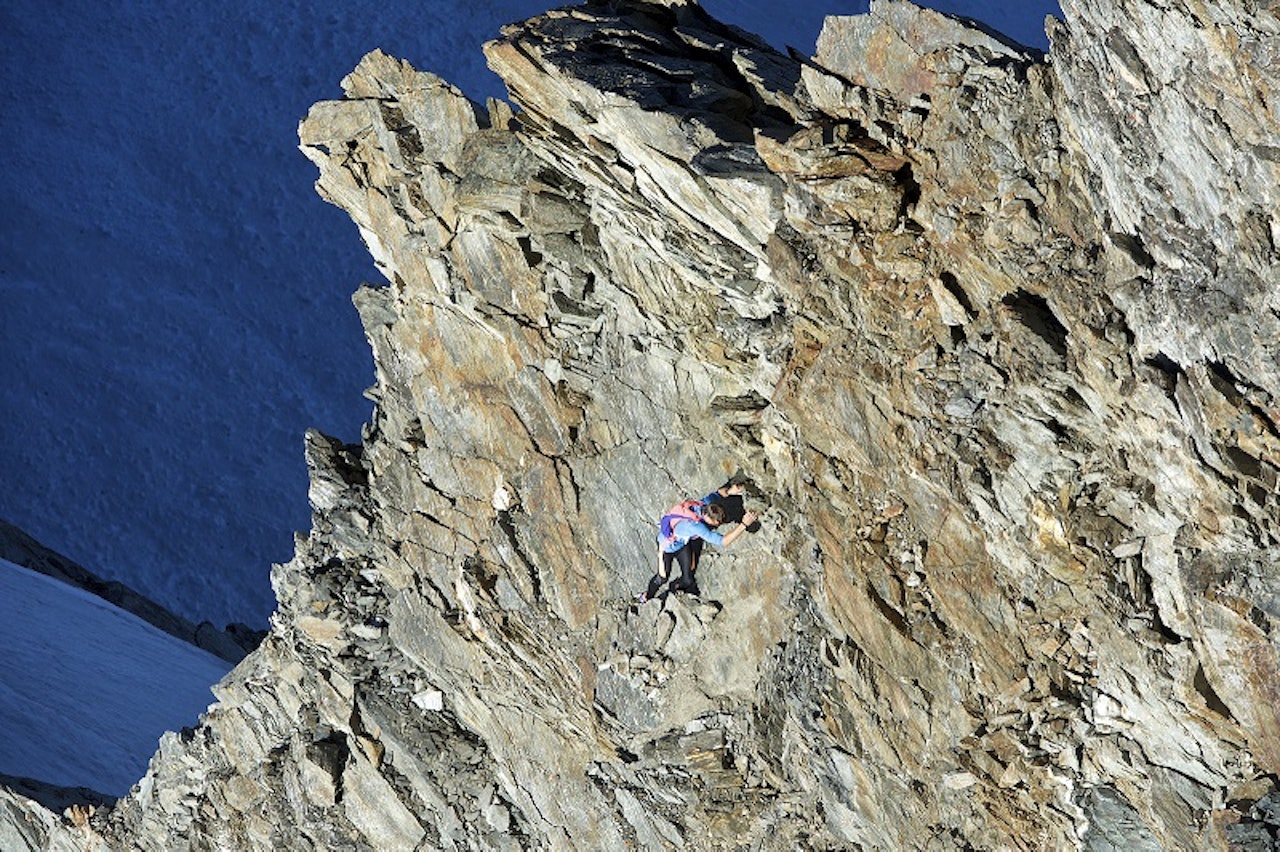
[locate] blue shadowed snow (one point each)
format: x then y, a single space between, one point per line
87 689
174 297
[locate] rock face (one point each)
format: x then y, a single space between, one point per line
994 337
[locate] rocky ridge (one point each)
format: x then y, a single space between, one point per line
992 334
231 643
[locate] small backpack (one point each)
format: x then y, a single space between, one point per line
686 511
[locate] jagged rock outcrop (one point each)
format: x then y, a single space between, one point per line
994 338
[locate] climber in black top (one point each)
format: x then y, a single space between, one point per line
685 526
729 496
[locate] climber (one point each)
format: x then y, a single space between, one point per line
683 529
729 496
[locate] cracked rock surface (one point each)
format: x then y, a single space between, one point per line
993 335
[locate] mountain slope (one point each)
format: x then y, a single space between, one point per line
86 689
993 339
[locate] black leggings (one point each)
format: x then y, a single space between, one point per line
687 556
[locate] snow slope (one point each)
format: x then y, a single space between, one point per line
174 297
87 689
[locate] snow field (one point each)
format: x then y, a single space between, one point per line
86 689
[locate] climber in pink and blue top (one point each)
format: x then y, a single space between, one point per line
683 529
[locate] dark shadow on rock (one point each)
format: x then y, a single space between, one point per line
678 60
53 797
